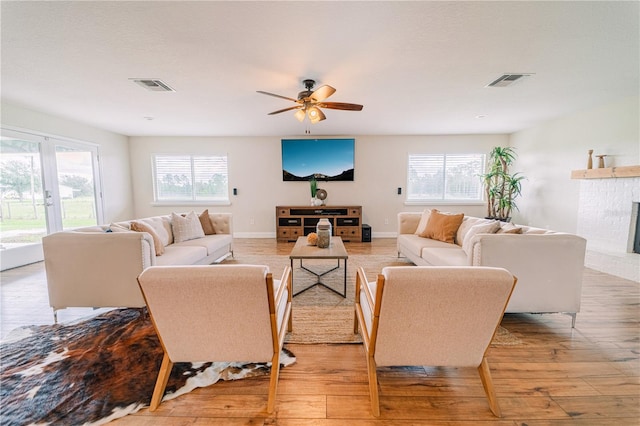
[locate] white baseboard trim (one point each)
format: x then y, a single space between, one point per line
241 235
254 235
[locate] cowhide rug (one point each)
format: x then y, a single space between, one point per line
95 371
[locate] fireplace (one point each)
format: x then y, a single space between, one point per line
635 234
608 213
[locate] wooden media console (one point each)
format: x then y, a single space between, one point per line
296 221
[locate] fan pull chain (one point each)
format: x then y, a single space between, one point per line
307 130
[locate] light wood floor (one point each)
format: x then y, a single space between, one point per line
589 375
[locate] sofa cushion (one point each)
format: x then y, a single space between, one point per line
144 227
481 228
211 243
424 219
414 244
443 226
181 255
186 228
448 256
205 222
92 229
533 231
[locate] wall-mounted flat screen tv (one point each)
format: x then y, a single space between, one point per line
326 159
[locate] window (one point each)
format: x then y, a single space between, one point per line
445 177
190 178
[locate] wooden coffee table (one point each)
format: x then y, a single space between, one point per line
302 250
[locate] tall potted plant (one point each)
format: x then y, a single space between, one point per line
501 187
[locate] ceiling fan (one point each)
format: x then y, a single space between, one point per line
309 102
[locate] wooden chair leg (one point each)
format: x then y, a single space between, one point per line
487 383
161 382
373 386
273 383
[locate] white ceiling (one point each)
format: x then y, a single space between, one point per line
417 67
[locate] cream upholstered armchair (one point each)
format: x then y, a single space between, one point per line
243 311
431 316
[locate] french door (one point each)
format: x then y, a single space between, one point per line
47 184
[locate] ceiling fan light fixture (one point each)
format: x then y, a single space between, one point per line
300 114
315 115
309 103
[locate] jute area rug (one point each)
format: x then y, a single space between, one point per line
322 316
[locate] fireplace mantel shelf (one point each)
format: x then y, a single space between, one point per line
607 173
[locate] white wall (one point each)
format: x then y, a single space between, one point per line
549 152
599 210
113 148
255 168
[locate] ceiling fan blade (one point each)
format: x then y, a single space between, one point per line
322 93
285 109
277 96
340 105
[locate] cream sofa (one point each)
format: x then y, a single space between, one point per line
549 265
98 266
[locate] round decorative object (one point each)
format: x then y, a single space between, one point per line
312 239
321 194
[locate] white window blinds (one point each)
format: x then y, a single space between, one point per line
190 178
445 177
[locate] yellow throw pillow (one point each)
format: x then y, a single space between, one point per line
143 227
443 226
205 221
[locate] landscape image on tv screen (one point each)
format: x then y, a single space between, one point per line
326 159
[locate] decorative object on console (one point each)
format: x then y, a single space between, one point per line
590 160
323 229
601 161
313 184
501 187
321 195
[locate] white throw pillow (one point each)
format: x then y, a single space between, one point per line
186 228
117 227
422 225
157 224
481 228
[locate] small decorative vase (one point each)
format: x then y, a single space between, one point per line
323 229
590 160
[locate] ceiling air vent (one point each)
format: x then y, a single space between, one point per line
153 84
508 79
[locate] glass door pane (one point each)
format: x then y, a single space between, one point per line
23 220
46 185
76 187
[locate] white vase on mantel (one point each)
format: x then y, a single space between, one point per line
316 202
